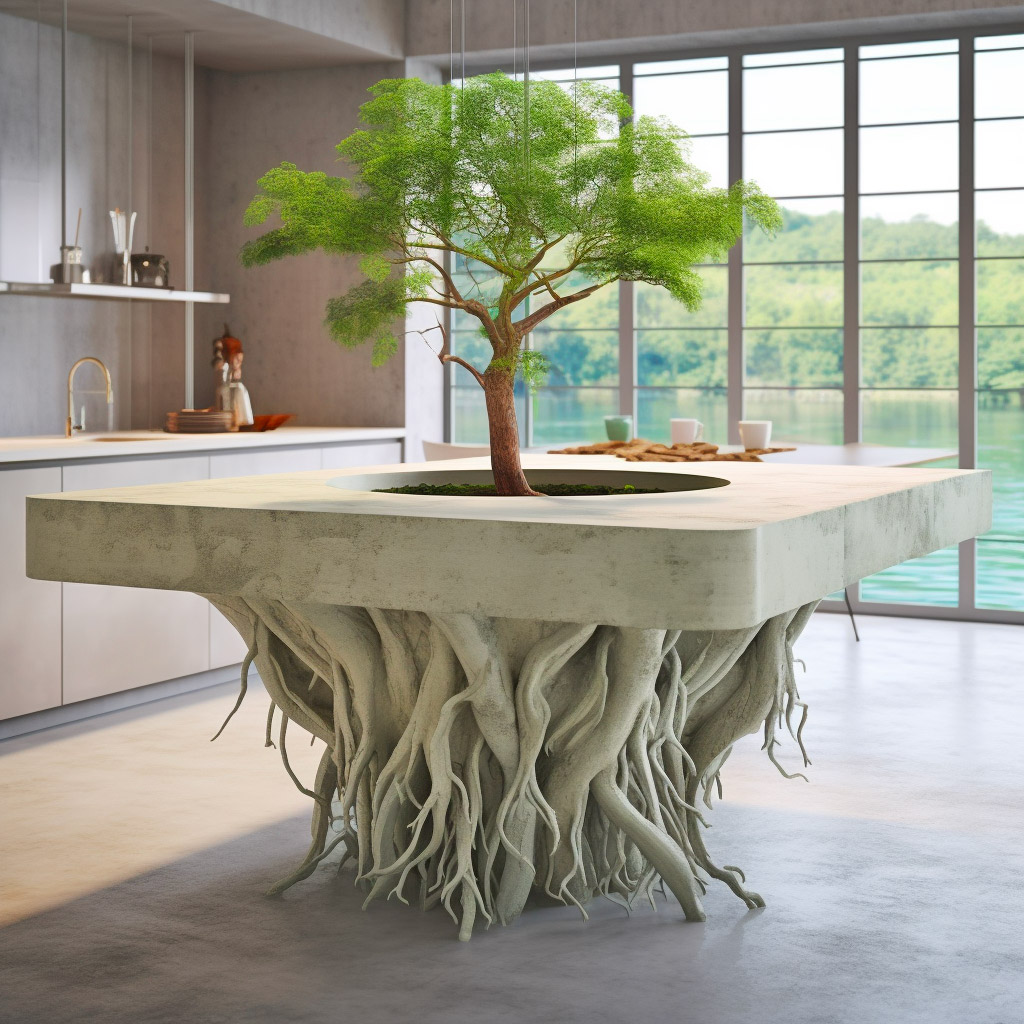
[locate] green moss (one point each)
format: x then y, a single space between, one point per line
483 490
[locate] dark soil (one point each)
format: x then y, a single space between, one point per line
484 490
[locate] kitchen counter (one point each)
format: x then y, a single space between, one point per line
63 646
133 443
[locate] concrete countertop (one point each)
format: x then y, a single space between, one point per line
132 443
774 538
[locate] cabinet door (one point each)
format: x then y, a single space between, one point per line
371 453
117 638
226 647
30 663
256 463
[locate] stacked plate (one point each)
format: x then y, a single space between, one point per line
199 421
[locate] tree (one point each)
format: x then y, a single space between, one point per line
536 192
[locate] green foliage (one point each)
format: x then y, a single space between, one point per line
534 367
367 313
795 315
536 223
489 490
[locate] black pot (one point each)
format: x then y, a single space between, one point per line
150 270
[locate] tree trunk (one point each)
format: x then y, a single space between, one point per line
499 391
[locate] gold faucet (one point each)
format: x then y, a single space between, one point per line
69 425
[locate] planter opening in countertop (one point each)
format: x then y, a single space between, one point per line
604 482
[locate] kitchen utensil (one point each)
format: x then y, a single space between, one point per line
70 269
150 270
124 232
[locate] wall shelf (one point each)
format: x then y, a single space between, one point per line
108 291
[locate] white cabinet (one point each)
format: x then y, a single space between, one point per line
256 463
118 638
62 643
370 453
30 663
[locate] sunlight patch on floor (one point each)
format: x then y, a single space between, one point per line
97 803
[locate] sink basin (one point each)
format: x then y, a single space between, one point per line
123 437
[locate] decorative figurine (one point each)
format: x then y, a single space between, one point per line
231 394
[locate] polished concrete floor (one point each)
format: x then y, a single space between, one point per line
133 853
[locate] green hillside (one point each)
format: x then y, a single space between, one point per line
794 311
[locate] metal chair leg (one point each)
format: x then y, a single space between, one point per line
849 608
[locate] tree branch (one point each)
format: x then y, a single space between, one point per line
447 357
449 282
449 246
436 302
540 282
528 323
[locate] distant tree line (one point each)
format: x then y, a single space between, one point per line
909 311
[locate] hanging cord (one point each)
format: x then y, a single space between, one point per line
128 155
575 95
451 41
526 85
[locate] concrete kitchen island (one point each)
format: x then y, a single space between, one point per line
524 695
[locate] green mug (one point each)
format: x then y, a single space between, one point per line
619 428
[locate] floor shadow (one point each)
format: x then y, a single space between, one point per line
856 930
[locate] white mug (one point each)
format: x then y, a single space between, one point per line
756 433
686 431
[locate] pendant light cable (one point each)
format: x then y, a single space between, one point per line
131 115
575 92
526 85
64 128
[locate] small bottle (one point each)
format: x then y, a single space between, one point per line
222 398
240 404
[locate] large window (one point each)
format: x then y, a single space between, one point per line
908 139
681 358
888 309
793 283
999 313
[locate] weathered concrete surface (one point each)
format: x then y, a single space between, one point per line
613 28
775 538
243 35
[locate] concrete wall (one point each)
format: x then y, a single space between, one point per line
254 122
245 124
375 26
612 27
39 339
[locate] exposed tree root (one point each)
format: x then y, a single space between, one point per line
470 761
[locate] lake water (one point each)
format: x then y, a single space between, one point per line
563 416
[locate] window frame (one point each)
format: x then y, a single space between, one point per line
852 387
